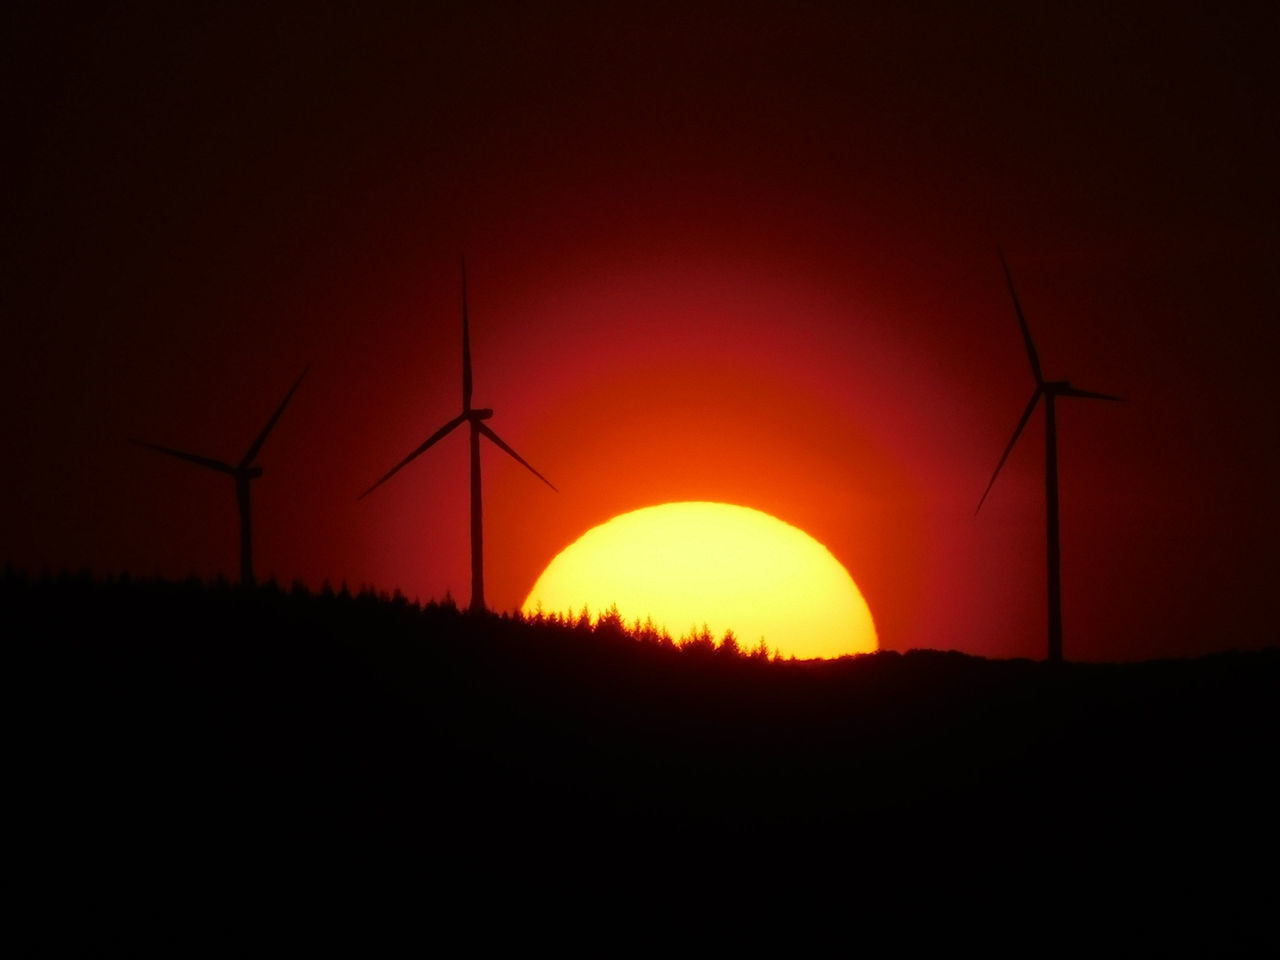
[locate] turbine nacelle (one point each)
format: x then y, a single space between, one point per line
484 413
1063 388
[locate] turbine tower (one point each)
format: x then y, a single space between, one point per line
475 417
242 472
1050 390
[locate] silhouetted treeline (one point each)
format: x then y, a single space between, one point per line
169 724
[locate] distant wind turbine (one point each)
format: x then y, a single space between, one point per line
476 418
242 472
1050 390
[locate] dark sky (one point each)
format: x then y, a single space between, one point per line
729 252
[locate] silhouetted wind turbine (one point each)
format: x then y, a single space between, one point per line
476 418
242 472
1050 390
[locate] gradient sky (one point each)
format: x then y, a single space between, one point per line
738 252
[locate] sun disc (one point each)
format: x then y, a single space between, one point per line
686 565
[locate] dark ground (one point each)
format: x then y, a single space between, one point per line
197 762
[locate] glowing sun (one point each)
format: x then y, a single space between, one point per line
728 567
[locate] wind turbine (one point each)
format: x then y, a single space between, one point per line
1050 390
242 472
475 417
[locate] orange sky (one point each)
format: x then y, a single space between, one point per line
726 255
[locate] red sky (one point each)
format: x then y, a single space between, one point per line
739 253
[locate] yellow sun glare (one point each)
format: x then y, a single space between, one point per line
725 566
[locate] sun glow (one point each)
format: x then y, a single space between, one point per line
686 565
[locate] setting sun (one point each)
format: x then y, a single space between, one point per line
725 566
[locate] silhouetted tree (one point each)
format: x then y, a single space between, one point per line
610 624
648 632
698 641
729 645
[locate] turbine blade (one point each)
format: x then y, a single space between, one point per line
466 344
1026 415
191 457
1088 394
1022 322
262 437
501 443
455 422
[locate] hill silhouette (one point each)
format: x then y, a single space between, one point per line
203 735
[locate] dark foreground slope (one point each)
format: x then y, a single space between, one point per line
179 742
